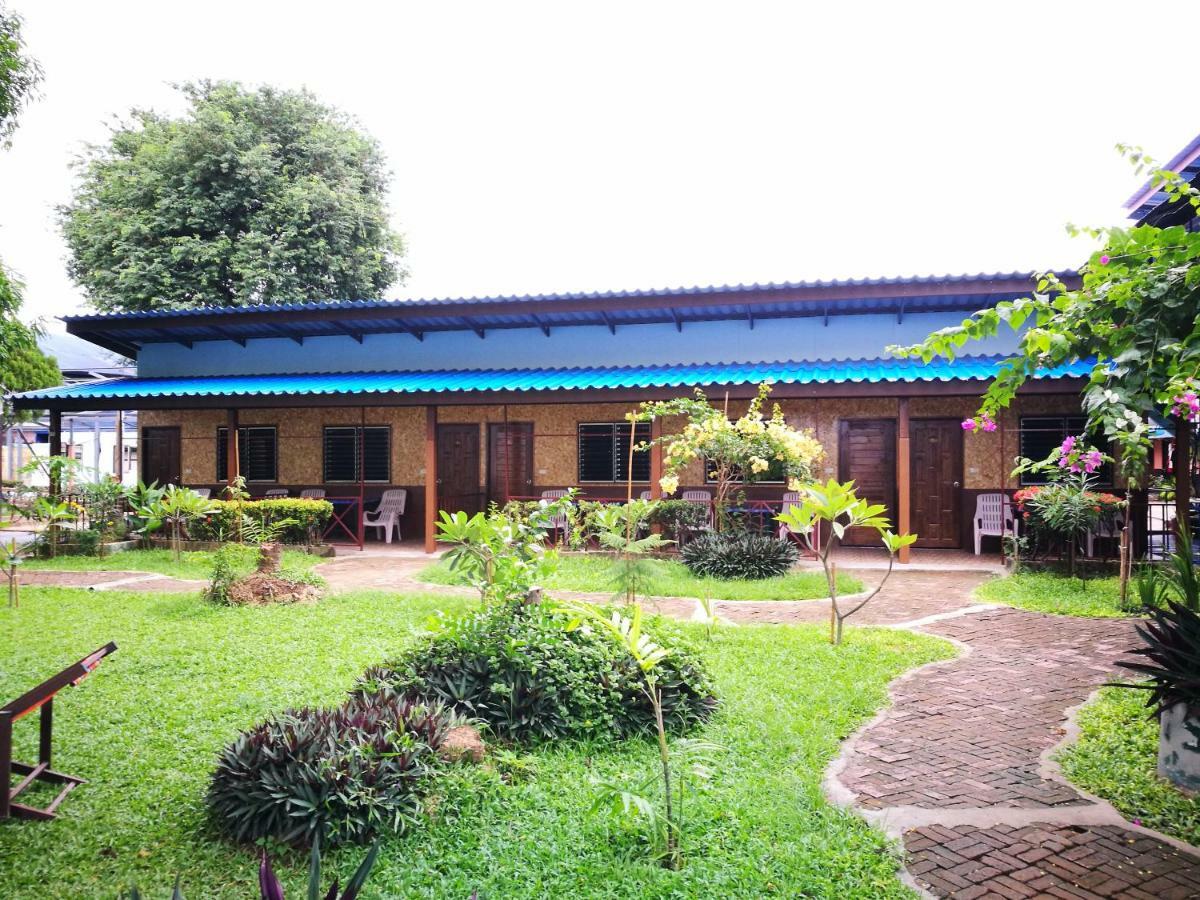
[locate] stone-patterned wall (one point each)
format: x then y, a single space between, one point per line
987 457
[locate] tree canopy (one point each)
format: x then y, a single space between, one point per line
252 196
23 367
19 73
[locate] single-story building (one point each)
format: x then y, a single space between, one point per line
467 401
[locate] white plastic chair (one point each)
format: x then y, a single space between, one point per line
387 514
993 518
790 499
1104 529
646 495
275 494
204 493
559 522
312 494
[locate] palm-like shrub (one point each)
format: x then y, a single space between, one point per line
513 666
738 554
339 775
1172 651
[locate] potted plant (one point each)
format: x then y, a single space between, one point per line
1172 654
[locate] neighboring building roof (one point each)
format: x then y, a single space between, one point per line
460 381
79 360
126 333
1151 206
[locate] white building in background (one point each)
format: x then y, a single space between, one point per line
90 437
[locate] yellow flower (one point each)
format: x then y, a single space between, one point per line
758 464
669 483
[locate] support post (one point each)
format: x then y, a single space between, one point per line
45 731
656 458
903 479
56 449
96 446
1183 474
6 720
119 446
431 479
232 460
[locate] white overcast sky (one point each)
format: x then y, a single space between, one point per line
571 146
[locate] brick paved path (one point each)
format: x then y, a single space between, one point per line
959 768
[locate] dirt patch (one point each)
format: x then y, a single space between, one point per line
261 589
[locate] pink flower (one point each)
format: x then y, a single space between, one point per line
1104 260
989 424
968 424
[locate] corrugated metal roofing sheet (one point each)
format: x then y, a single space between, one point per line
699 290
484 380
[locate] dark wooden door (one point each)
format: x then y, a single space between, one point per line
867 456
160 455
510 461
936 449
458 468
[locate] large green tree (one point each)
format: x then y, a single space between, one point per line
22 366
252 196
1135 316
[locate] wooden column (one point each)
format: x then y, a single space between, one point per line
903 478
656 458
1183 473
232 461
119 445
56 449
431 479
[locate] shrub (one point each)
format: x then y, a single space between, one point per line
309 518
738 555
515 667
677 516
226 563
337 774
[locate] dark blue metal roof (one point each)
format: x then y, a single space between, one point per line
868 371
126 333
1146 200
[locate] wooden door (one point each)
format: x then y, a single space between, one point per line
160 455
867 456
510 461
936 450
458 468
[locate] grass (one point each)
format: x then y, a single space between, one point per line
145 729
1116 757
1049 593
593 572
192 563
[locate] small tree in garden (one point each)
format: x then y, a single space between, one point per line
619 529
841 509
734 452
1134 315
176 507
626 632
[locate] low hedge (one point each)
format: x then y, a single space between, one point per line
311 517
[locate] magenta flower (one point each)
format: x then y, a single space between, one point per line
968 424
989 424
1104 260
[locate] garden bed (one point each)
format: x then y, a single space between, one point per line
593 572
1046 592
1116 758
146 729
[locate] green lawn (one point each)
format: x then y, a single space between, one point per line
1049 593
192 563
593 572
145 728
1116 757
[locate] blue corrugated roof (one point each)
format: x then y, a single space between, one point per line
868 371
671 292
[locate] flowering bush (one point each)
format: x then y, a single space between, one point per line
734 451
1186 400
982 422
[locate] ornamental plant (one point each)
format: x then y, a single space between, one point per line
834 509
1066 508
734 452
1132 319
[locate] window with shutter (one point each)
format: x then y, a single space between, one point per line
258 454
604 452
343 453
1041 435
